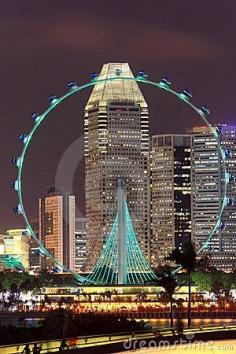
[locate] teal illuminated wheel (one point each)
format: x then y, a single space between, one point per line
74 89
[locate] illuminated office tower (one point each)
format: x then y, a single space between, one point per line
80 244
57 227
207 191
228 239
16 244
116 146
206 188
171 194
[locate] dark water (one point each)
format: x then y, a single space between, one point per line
154 323
165 323
22 322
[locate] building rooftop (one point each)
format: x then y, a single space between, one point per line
115 90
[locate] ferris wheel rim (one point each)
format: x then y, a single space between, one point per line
75 90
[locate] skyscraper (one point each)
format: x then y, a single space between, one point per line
171 194
80 244
57 227
187 194
206 187
116 146
207 190
34 258
228 239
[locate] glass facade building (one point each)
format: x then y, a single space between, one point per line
206 187
116 146
207 190
187 194
171 194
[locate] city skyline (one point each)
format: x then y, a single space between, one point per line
117 145
183 163
117 128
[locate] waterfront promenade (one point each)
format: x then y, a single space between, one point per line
114 343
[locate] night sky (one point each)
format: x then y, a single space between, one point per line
44 44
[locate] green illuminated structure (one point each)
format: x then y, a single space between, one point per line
134 268
121 260
12 262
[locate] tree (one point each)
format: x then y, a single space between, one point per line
169 282
186 258
27 285
221 287
203 280
14 295
2 294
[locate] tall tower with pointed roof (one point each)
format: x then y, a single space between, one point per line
116 147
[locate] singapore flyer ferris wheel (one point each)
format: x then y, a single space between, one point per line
97 275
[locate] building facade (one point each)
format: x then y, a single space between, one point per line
16 244
171 194
57 228
80 244
206 187
207 191
187 195
116 146
228 239
34 258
